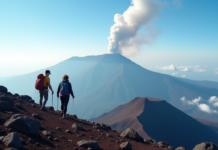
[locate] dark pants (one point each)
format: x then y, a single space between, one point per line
64 103
45 95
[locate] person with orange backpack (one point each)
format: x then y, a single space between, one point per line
42 84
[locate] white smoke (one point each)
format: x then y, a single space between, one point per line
125 35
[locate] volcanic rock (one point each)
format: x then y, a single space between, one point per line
206 146
23 124
25 97
6 99
46 133
36 115
18 105
3 89
5 106
86 144
12 140
126 146
180 148
10 148
50 108
130 133
163 144
77 127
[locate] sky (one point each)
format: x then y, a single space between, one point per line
176 37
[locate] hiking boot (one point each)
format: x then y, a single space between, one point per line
64 117
43 109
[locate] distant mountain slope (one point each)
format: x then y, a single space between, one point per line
157 119
103 82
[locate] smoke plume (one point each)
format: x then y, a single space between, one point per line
126 35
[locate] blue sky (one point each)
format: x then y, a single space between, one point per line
53 30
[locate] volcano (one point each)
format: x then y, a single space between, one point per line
158 120
103 82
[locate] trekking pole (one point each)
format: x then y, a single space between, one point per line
57 103
73 106
52 100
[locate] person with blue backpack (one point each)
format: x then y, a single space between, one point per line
65 90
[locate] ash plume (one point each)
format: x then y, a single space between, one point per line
127 35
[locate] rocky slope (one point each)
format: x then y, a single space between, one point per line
24 126
156 119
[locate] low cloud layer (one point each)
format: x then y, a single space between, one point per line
183 68
216 70
208 108
126 35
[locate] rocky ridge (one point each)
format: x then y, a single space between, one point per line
24 126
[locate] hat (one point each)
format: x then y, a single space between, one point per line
48 71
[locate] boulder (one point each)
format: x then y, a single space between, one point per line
47 133
18 105
130 133
77 127
180 148
3 89
92 144
206 146
1 138
103 125
108 127
74 116
126 146
6 99
9 93
23 124
163 144
148 141
12 140
50 108
16 95
36 116
5 106
97 127
25 97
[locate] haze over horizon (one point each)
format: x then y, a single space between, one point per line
173 37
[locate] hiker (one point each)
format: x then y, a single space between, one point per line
65 89
44 91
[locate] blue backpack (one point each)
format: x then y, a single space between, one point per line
64 88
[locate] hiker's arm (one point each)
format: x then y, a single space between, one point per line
49 85
59 88
71 90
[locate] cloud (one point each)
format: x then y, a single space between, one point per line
201 106
192 102
127 30
171 67
183 68
183 76
174 73
216 70
214 101
177 3
206 108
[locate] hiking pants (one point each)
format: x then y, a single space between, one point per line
64 103
45 95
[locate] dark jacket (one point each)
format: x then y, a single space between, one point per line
70 87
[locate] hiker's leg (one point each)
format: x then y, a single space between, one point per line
40 97
62 103
45 93
66 103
